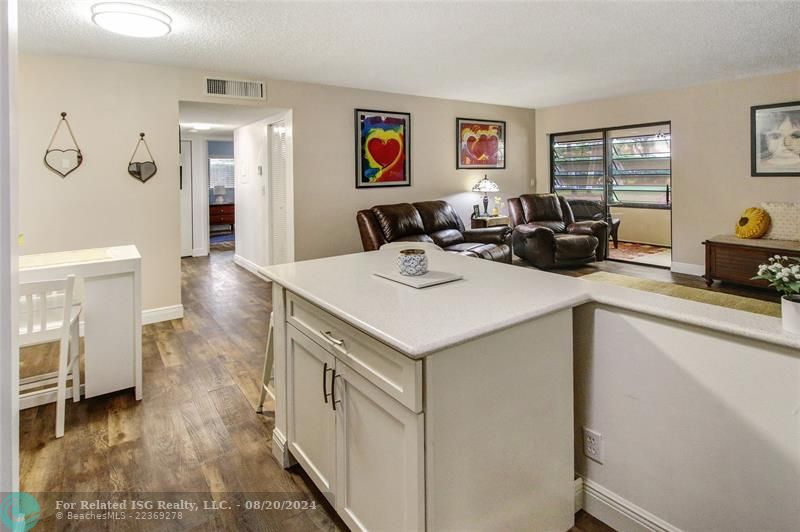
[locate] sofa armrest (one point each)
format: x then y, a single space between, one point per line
488 235
536 244
596 228
372 237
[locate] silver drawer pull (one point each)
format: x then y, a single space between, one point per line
332 339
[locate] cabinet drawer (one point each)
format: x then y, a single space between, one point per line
221 209
389 370
227 219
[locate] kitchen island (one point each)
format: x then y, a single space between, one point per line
455 407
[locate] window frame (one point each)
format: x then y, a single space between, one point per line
210 186
607 163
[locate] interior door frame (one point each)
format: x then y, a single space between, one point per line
286 118
9 171
184 179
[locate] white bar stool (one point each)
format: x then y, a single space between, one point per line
266 375
46 314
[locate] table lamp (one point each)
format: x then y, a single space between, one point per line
219 192
485 186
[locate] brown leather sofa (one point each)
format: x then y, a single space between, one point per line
547 235
593 210
434 222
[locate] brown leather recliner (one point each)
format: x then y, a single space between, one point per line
434 222
547 235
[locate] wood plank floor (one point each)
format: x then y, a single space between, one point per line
195 434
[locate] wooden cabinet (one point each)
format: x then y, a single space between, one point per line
352 438
224 214
736 260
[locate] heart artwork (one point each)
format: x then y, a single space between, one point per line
384 152
382 149
63 162
481 143
484 148
142 171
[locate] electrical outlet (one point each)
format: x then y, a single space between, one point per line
593 445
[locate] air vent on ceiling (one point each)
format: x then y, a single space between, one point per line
235 88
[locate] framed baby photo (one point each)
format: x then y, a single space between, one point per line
775 140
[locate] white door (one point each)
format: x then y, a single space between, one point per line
311 419
185 185
380 462
278 230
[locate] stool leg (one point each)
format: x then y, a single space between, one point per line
75 361
61 387
267 373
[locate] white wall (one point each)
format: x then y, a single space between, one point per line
108 105
711 182
647 226
250 152
699 428
99 204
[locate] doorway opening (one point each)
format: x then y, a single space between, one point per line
622 175
226 191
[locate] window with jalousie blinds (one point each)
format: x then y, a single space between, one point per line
628 166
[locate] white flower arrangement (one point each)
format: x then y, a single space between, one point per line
783 274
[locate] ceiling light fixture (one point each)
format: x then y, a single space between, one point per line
199 126
132 20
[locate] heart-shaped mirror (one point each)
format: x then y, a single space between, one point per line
142 171
63 162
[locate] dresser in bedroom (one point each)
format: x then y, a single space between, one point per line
222 214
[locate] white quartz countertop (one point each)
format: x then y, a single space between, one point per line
492 296
78 256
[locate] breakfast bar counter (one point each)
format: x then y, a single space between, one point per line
456 407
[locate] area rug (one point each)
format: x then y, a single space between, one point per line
641 253
228 237
684 292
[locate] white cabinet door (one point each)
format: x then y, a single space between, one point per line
311 418
380 476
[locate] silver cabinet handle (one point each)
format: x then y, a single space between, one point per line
332 339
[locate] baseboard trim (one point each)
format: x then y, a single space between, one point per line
578 494
249 265
688 268
616 511
199 252
155 315
280 449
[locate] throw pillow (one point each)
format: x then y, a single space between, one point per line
785 218
754 223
